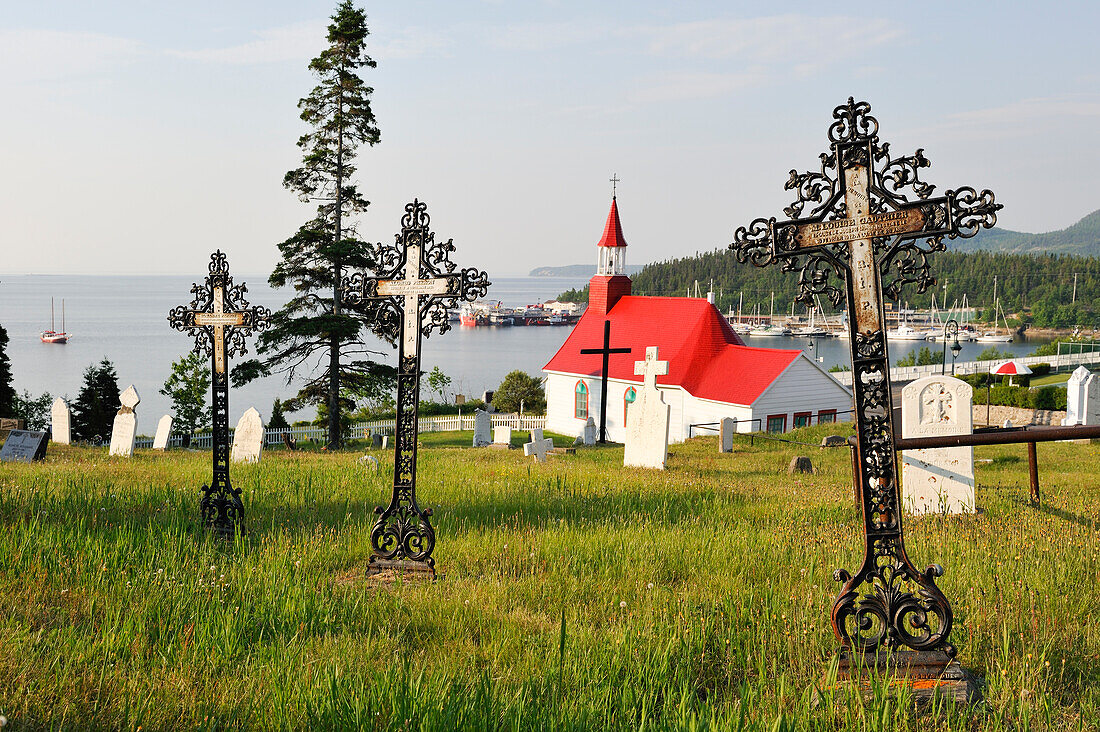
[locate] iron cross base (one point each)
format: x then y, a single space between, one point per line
217 503
925 675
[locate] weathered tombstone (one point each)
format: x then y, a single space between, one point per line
800 464
589 433
726 429
376 441
606 351
218 318
865 216
124 429
483 426
487 397
1076 397
939 480
24 446
164 431
61 418
502 436
538 446
1082 398
370 461
9 423
460 399
414 295
385 442
248 438
647 420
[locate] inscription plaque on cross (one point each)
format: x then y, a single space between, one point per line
854 220
606 350
413 295
219 318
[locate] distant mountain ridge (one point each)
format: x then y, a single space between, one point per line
577 270
1081 239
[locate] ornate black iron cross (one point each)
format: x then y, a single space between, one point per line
413 295
859 226
219 318
606 350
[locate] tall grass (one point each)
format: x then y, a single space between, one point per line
575 595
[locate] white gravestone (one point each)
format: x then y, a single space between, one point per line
164 431
590 433
483 428
648 418
938 480
61 422
124 430
725 434
248 438
1082 398
502 435
538 446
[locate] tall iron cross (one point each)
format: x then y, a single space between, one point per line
414 294
853 220
219 318
607 350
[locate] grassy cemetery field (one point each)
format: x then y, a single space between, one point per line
574 595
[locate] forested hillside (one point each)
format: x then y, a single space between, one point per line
1040 286
1083 238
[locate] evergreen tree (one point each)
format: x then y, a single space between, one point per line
7 391
97 403
314 331
188 386
278 419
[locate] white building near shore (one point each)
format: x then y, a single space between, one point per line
712 374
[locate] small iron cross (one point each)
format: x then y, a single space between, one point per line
413 296
853 220
219 318
607 350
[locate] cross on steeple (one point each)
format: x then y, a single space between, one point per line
614 183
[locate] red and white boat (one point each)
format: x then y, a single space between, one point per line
51 335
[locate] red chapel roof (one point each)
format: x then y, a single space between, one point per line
705 356
613 230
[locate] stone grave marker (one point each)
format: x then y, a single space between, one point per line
939 480
483 427
61 418
590 433
24 446
502 436
538 446
1092 400
1076 397
248 438
647 420
725 434
487 397
164 431
376 441
385 442
124 430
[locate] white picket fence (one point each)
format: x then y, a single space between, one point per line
442 423
912 373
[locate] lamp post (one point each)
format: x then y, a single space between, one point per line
950 330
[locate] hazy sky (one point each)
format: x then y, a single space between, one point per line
139 136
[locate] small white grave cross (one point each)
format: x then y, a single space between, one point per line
538 446
650 369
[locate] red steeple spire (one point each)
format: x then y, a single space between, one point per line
613 230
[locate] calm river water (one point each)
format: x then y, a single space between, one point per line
125 319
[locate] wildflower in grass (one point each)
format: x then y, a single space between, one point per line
649 586
622 604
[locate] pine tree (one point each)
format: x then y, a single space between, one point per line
278 419
97 403
314 330
7 391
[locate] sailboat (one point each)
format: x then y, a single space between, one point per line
995 336
52 336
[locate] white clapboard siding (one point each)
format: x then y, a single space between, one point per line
802 387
